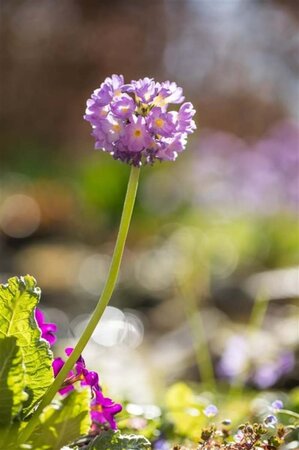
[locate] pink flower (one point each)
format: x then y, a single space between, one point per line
47 329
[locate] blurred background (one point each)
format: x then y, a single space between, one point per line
212 255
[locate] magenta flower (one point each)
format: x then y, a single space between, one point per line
47 329
132 121
103 410
80 373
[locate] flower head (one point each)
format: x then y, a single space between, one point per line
47 329
239 359
270 421
211 411
277 405
80 373
132 122
103 410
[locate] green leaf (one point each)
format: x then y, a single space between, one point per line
111 440
185 410
12 381
8 437
18 299
63 422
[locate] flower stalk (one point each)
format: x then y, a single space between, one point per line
200 343
100 308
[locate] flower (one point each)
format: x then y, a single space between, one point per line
270 421
276 406
239 359
269 373
80 373
103 410
132 122
161 444
47 329
211 411
264 174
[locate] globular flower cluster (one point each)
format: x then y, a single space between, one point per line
132 121
102 409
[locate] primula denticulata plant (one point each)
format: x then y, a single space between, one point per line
58 403
132 123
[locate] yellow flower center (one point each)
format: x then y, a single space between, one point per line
137 133
159 123
116 127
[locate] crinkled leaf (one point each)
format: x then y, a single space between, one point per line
12 381
63 422
110 440
18 299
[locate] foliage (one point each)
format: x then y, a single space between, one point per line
25 374
12 380
19 298
184 423
110 440
62 422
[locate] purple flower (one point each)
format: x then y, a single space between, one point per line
169 92
112 128
137 137
144 89
267 374
238 360
231 176
57 365
103 410
160 123
211 411
185 121
123 107
234 357
161 444
270 421
109 88
47 329
80 373
132 121
277 405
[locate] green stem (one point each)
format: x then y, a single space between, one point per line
200 344
100 308
288 413
258 313
255 324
